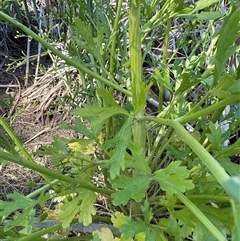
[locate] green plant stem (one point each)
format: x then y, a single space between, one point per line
41 189
214 118
51 173
136 71
148 26
114 38
160 145
198 105
15 139
109 125
221 104
214 167
71 62
19 145
164 64
216 198
40 233
204 220
210 198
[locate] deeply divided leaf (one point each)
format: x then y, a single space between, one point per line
81 205
130 188
174 177
120 142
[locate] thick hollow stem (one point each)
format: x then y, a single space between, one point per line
136 71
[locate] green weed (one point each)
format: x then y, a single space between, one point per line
162 177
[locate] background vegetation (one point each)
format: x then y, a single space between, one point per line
156 110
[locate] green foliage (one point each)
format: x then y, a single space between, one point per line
82 204
153 176
173 177
120 141
19 202
133 187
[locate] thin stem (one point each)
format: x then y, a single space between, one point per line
51 173
114 38
204 220
19 145
40 233
15 139
164 64
223 103
210 198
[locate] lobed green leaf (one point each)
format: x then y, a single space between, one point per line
131 187
174 177
120 142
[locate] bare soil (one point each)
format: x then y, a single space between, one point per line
34 112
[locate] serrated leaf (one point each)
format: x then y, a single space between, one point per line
118 219
215 137
87 209
131 187
222 90
147 213
228 34
201 16
141 236
221 218
91 44
24 219
58 150
137 160
120 141
19 202
102 113
131 228
82 205
169 201
172 227
79 127
109 99
202 234
43 197
186 216
105 234
122 238
139 229
174 177
201 4
186 82
160 80
68 211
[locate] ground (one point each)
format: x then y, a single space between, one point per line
34 113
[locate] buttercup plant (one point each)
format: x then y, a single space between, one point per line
158 180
